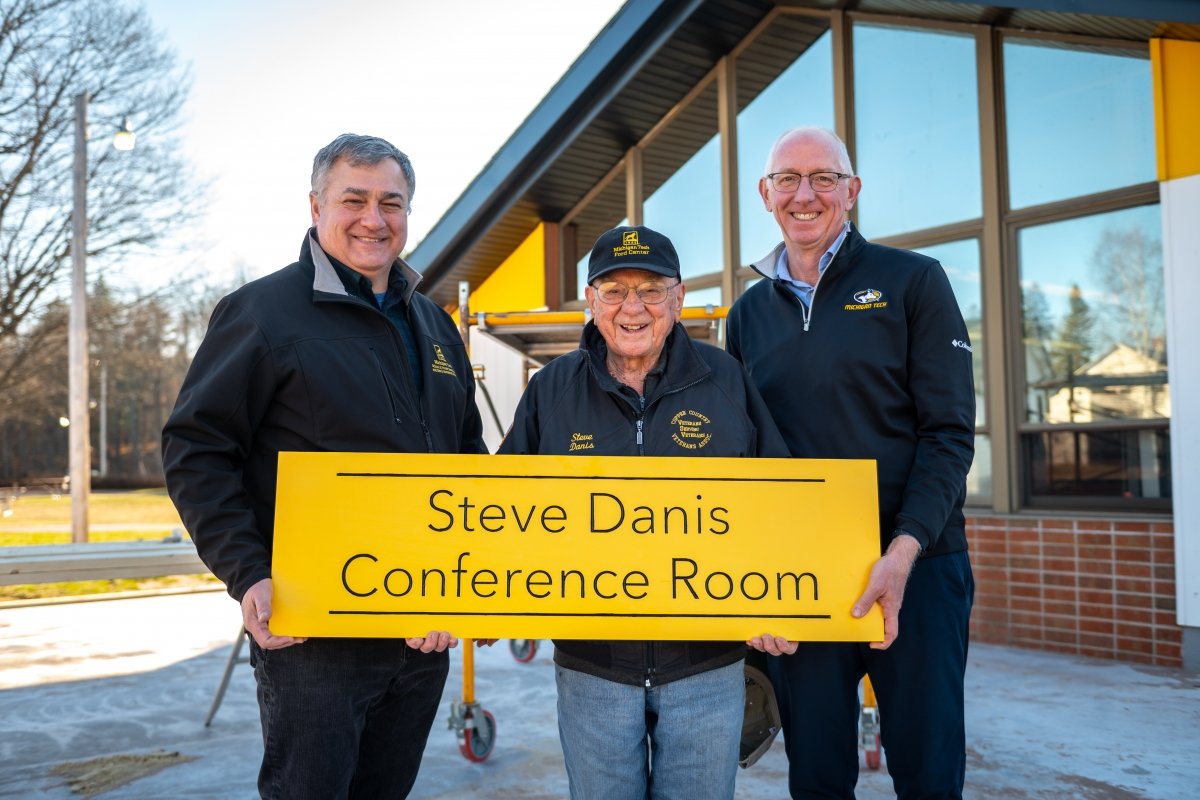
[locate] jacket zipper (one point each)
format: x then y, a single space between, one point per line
420 416
641 418
387 387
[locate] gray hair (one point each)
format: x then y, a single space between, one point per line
359 151
839 146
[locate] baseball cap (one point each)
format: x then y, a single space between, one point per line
633 247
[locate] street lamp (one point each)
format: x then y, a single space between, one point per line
77 334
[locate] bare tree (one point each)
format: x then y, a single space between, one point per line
1128 263
51 50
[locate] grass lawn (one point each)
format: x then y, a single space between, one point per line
42 518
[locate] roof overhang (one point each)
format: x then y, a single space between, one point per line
643 63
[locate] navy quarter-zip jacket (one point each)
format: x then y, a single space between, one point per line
882 372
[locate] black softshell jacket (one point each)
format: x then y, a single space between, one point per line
574 407
292 362
883 371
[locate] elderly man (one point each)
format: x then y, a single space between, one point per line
637 719
334 352
860 351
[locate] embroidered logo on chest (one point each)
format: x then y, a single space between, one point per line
689 432
440 365
866 300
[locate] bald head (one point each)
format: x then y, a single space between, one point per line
811 133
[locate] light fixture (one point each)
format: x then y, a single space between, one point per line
125 138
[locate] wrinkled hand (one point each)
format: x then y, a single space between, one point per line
485 642
889 575
256 613
772 645
435 642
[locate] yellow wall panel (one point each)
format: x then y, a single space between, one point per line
519 283
1176 68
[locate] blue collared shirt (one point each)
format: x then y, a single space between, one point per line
803 289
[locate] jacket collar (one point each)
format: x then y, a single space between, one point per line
684 366
325 277
765 266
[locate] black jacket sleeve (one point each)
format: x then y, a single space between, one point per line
942 387
207 440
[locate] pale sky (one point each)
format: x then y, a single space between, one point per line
275 80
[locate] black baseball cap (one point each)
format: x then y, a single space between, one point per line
633 247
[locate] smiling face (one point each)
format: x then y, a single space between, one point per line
361 216
634 331
809 221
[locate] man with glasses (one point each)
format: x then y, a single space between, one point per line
644 719
336 352
860 351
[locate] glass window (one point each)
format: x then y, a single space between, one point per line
960 260
801 95
1098 464
979 479
916 114
703 297
1078 122
1094 319
686 208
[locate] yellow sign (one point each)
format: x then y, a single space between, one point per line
573 547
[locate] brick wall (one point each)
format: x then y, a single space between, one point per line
1102 588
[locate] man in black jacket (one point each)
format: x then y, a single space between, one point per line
335 352
860 351
641 719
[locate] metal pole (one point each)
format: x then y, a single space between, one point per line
80 466
103 419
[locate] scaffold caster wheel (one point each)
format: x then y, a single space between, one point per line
523 650
479 736
874 753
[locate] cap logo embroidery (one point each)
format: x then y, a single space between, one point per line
630 246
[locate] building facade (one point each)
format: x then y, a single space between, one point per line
1046 152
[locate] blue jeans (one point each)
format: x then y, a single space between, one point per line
676 741
345 718
918 682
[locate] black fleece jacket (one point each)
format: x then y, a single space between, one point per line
880 370
575 407
292 362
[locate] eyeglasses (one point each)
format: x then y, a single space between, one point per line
612 293
819 181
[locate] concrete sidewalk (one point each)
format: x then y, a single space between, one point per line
135 678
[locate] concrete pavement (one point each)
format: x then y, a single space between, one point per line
130 681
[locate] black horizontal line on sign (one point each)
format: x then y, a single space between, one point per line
570 477
337 612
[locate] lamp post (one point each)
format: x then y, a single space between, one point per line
77 334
